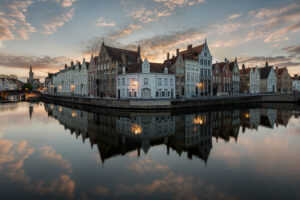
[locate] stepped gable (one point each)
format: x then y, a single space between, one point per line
116 54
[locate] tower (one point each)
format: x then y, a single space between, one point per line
31 75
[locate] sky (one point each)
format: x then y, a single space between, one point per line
49 33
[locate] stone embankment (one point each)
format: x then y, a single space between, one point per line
172 104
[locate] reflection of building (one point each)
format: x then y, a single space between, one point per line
283 117
190 134
30 110
193 135
268 117
250 119
146 128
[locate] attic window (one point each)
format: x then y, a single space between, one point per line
205 54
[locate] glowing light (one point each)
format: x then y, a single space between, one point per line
136 129
60 109
198 120
247 115
59 87
200 85
73 87
74 113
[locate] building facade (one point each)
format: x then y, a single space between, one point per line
254 81
235 72
193 68
268 81
105 67
284 81
222 79
81 78
145 81
296 83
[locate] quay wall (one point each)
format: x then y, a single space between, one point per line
171 104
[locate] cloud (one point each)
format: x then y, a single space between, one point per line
101 22
234 16
45 63
13 24
293 49
172 4
57 22
65 3
279 61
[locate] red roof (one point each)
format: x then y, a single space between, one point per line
191 54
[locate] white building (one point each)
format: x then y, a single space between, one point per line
254 81
81 78
268 80
296 83
63 81
146 81
198 71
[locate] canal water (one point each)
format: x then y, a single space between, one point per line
50 151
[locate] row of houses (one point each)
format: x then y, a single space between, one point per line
10 83
121 73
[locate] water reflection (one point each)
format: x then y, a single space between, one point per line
191 133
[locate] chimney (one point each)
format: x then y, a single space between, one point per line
83 60
72 63
168 56
139 49
124 59
189 48
226 61
66 66
177 52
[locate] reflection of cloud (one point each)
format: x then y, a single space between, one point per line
180 187
101 190
49 153
12 157
143 166
63 185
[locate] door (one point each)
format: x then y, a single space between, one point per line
118 93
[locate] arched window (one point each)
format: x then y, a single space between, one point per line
146 93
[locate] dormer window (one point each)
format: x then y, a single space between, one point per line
165 70
205 54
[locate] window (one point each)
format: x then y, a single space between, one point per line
162 93
201 61
123 81
171 82
208 62
118 81
145 81
157 94
201 72
159 81
166 92
188 76
166 82
205 62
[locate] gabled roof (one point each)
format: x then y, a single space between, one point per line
154 68
192 54
116 54
265 71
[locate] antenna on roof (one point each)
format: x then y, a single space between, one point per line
205 41
102 40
